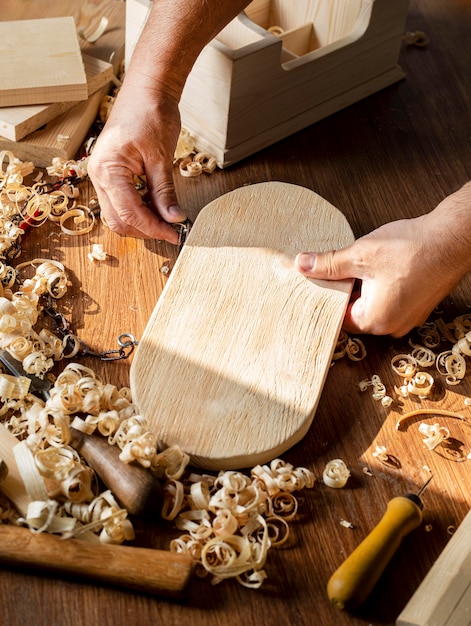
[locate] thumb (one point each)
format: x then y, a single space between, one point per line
332 265
162 194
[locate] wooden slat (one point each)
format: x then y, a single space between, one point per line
17 122
444 597
41 62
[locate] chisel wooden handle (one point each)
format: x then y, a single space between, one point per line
133 485
159 572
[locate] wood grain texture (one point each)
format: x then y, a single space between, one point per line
394 155
41 62
19 121
234 358
444 597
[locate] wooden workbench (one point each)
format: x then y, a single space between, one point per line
394 155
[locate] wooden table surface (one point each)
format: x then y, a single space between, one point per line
394 155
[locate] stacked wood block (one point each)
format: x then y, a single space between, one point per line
281 66
52 78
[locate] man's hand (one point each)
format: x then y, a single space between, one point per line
138 139
403 269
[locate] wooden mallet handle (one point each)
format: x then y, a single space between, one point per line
159 572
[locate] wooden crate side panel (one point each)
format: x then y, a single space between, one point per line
264 95
204 105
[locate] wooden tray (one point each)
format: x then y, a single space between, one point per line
233 360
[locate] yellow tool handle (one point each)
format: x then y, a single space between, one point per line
352 582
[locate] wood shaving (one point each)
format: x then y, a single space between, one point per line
379 390
430 412
434 434
97 253
353 348
416 38
346 524
335 474
381 454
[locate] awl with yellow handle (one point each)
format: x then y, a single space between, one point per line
350 585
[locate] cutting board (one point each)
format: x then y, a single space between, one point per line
233 360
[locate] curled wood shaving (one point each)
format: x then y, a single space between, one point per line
93 32
431 412
452 365
336 474
379 390
185 145
231 521
434 434
353 348
80 215
420 385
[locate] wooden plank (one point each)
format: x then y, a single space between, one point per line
41 62
444 597
61 137
233 360
64 135
17 122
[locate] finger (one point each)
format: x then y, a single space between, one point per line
332 265
127 214
162 194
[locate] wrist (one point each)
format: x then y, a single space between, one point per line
449 226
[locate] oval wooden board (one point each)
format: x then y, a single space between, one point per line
234 357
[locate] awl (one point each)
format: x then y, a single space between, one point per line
351 584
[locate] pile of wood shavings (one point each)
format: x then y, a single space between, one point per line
232 520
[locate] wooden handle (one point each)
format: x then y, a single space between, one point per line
133 485
159 572
350 585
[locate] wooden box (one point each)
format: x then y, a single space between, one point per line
281 66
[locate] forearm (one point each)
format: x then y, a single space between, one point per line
449 224
175 33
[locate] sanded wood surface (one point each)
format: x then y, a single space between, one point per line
41 62
393 155
234 358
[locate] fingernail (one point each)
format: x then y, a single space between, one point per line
306 261
176 212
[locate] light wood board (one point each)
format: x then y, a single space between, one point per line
444 597
41 62
17 122
63 136
234 357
